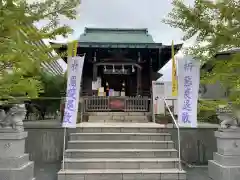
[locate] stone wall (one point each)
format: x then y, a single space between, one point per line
45 142
197 144
211 92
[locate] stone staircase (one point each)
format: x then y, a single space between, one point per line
126 151
119 117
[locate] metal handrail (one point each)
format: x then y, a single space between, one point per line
178 132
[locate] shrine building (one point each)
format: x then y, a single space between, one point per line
121 63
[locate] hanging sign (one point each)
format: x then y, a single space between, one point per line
94 85
189 79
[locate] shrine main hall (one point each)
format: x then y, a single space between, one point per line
119 65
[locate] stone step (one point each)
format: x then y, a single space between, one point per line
124 144
121 136
120 174
118 118
120 127
116 129
121 153
119 113
121 163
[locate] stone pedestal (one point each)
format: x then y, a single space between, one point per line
226 162
14 163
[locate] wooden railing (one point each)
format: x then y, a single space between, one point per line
103 103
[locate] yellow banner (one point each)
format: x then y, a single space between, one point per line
72 49
174 74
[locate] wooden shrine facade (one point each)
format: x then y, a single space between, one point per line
124 60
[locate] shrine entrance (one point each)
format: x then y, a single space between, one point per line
122 79
116 82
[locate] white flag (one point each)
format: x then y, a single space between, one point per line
75 68
188 87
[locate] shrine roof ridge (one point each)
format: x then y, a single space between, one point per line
121 45
134 30
115 35
124 45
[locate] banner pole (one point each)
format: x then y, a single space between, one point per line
152 105
72 52
64 147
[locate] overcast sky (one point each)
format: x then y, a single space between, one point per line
127 14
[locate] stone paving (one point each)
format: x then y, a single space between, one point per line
49 172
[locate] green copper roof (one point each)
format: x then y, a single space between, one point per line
108 35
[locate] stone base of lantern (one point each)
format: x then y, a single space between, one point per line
226 162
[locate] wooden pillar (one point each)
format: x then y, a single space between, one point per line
94 72
139 81
95 68
94 77
150 72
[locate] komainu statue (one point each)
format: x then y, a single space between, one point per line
13 119
228 116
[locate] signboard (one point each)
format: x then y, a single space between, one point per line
158 93
116 103
96 84
188 87
163 90
75 68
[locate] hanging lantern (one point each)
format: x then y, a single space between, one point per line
123 86
113 69
123 70
133 70
139 57
95 57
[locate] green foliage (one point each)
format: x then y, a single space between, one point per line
50 98
22 51
217 28
53 86
208 116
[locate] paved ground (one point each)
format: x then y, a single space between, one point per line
49 172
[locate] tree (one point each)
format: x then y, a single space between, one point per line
216 26
21 46
50 99
53 86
